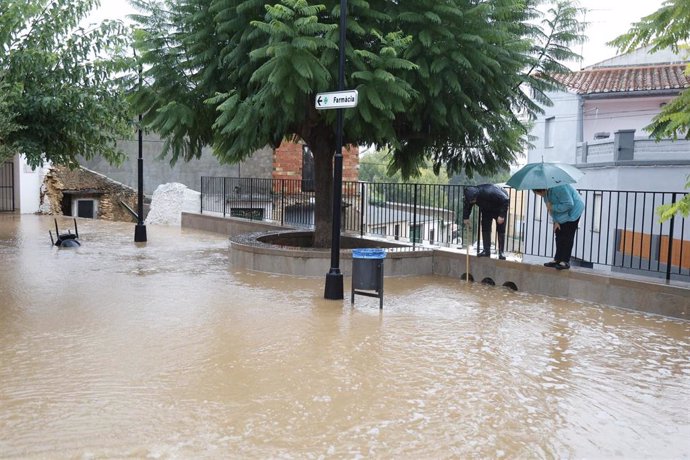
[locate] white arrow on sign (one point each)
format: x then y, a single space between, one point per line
336 100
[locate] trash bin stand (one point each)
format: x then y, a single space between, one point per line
361 283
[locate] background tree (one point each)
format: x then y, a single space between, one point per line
387 185
60 98
669 26
376 167
7 119
437 81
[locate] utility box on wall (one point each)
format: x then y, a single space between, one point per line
624 145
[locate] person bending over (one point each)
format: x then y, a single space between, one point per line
493 203
565 207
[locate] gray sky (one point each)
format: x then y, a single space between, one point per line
607 18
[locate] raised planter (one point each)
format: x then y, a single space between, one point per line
285 252
275 250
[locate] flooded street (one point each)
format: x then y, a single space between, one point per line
164 350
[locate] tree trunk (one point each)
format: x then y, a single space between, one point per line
323 177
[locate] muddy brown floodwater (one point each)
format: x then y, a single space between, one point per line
164 350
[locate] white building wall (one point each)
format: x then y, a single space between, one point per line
656 178
27 186
611 115
564 115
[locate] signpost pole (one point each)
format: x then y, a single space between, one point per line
140 228
334 278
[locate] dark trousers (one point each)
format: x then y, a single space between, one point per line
565 237
487 219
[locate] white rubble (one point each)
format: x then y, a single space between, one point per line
169 201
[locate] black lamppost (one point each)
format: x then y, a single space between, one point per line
334 278
140 228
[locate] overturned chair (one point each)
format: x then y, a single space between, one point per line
65 240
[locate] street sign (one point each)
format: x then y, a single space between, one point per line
336 100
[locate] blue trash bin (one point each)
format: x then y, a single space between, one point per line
367 273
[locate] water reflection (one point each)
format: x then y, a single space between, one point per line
114 350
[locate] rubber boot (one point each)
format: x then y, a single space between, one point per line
501 245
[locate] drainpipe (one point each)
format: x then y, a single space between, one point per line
579 136
580 118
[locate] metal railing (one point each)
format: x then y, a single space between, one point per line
618 230
7 187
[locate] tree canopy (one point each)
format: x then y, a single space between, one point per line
60 91
450 82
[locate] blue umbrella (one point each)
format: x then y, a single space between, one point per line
543 176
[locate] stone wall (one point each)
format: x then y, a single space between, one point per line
158 170
62 184
285 162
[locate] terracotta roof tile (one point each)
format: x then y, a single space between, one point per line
627 79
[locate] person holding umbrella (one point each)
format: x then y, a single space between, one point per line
493 203
565 206
552 182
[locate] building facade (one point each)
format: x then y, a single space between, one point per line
598 125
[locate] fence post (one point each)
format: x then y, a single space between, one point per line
361 210
224 195
414 218
14 203
251 199
669 260
201 197
282 202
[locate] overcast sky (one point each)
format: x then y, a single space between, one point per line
607 19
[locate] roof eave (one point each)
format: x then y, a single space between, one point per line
627 94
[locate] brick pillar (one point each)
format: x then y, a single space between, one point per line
287 162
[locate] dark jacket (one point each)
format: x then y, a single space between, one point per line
490 198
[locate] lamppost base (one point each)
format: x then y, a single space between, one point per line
334 285
140 233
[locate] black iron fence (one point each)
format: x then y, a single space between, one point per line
618 229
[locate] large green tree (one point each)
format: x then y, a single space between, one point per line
437 80
668 27
7 124
61 88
